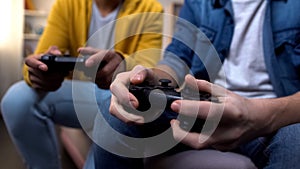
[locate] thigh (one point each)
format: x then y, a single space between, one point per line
279 150
200 159
284 149
74 104
136 141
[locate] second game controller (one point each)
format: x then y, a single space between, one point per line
166 92
62 63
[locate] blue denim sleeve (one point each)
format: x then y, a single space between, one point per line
180 52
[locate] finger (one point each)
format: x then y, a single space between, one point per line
46 80
110 68
54 50
50 76
190 82
211 112
38 73
36 82
215 90
117 110
119 88
192 108
39 84
34 62
194 140
87 50
107 72
138 74
103 81
97 59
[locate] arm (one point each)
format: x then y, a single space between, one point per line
236 119
55 34
179 55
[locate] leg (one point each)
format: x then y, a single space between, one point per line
280 151
31 117
108 145
200 159
123 146
284 149
114 151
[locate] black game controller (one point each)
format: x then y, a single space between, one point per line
142 92
62 63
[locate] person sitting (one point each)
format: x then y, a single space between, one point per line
120 33
254 75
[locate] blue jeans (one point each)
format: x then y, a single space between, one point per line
112 150
278 151
30 117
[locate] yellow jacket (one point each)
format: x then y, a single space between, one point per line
135 34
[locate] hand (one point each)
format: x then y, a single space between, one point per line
236 119
121 97
108 63
38 75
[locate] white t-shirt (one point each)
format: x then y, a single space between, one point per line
245 70
101 31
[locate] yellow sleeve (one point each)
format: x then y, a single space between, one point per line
139 34
148 51
55 33
66 28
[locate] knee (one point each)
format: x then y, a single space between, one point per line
15 102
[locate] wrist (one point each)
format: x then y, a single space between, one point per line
262 115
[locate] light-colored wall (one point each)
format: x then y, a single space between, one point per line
168 19
11 42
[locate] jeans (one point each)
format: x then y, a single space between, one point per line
278 151
114 150
30 117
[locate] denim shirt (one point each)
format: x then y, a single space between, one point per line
214 18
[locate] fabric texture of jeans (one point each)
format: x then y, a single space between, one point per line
31 116
278 151
111 149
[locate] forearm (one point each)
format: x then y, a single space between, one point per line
288 110
279 112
